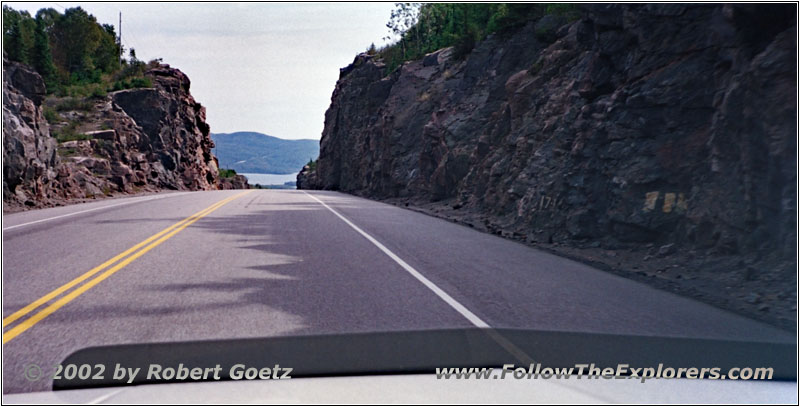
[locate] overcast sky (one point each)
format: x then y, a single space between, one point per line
269 68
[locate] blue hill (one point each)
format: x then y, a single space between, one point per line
252 152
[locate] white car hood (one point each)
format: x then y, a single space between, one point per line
427 389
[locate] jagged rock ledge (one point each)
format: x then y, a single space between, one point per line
133 141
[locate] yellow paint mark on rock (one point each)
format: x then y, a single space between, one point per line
669 202
650 199
682 205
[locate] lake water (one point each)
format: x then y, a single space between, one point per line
270 179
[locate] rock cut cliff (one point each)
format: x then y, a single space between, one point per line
29 153
131 141
657 141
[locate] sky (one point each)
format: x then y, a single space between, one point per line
265 67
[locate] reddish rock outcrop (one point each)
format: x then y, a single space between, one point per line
131 141
235 182
29 153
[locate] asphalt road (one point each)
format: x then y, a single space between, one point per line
278 262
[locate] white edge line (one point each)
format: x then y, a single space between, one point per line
88 210
474 319
105 397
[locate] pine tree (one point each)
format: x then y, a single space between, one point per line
41 57
17 34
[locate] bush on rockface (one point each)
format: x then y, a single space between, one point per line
424 28
226 173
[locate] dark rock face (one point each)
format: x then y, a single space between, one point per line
29 153
136 140
635 127
235 182
306 178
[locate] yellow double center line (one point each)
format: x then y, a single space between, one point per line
148 245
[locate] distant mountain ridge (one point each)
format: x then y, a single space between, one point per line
252 152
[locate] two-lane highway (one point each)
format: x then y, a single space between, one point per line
238 264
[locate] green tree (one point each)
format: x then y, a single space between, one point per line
78 34
12 38
403 18
107 53
41 57
71 50
418 29
18 28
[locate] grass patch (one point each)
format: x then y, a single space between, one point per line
132 83
51 115
226 173
67 152
570 11
69 133
73 103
